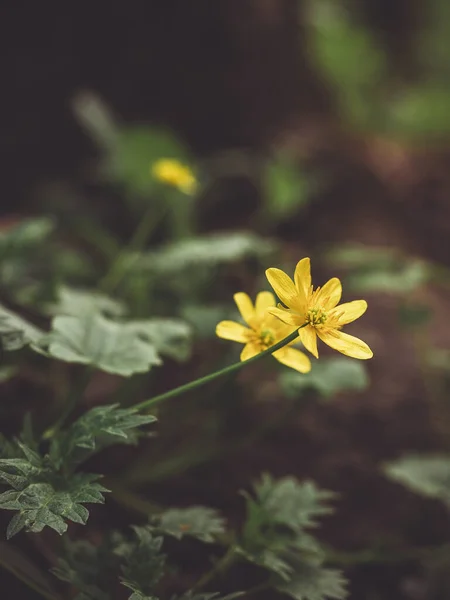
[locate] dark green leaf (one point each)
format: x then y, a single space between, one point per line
43 497
96 429
144 562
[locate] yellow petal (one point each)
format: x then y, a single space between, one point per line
293 358
229 330
249 351
245 307
309 339
285 289
348 312
264 300
346 344
286 316
328 296
302 276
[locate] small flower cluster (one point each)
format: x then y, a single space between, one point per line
313 312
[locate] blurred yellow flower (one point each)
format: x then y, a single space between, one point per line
263 331
319 309
174 173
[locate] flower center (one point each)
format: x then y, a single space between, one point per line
266 338
316 316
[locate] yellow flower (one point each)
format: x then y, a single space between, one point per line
263 331
174 173
319 309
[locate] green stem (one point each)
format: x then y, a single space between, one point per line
119 267
202 380
221 566
75 393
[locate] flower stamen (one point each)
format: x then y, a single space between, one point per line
316 317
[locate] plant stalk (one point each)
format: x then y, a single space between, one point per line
145 404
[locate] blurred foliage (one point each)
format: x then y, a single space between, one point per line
76 288
426 475
328 377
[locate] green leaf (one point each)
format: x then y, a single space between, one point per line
144 562
91 339
425 475
170 337
15 332
296 505
328 377
76 302
274 531
196 521
96 429
24 236
189 256
313 582
42 496
87 567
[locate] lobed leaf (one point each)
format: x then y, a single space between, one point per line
94 340
196 521
313 582
96 429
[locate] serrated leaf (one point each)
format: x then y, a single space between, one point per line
92 339
274 532
328 377
144 562
87 567
196 521
76 302
313 582
15 332
96 429
292 503
44 498
425 475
